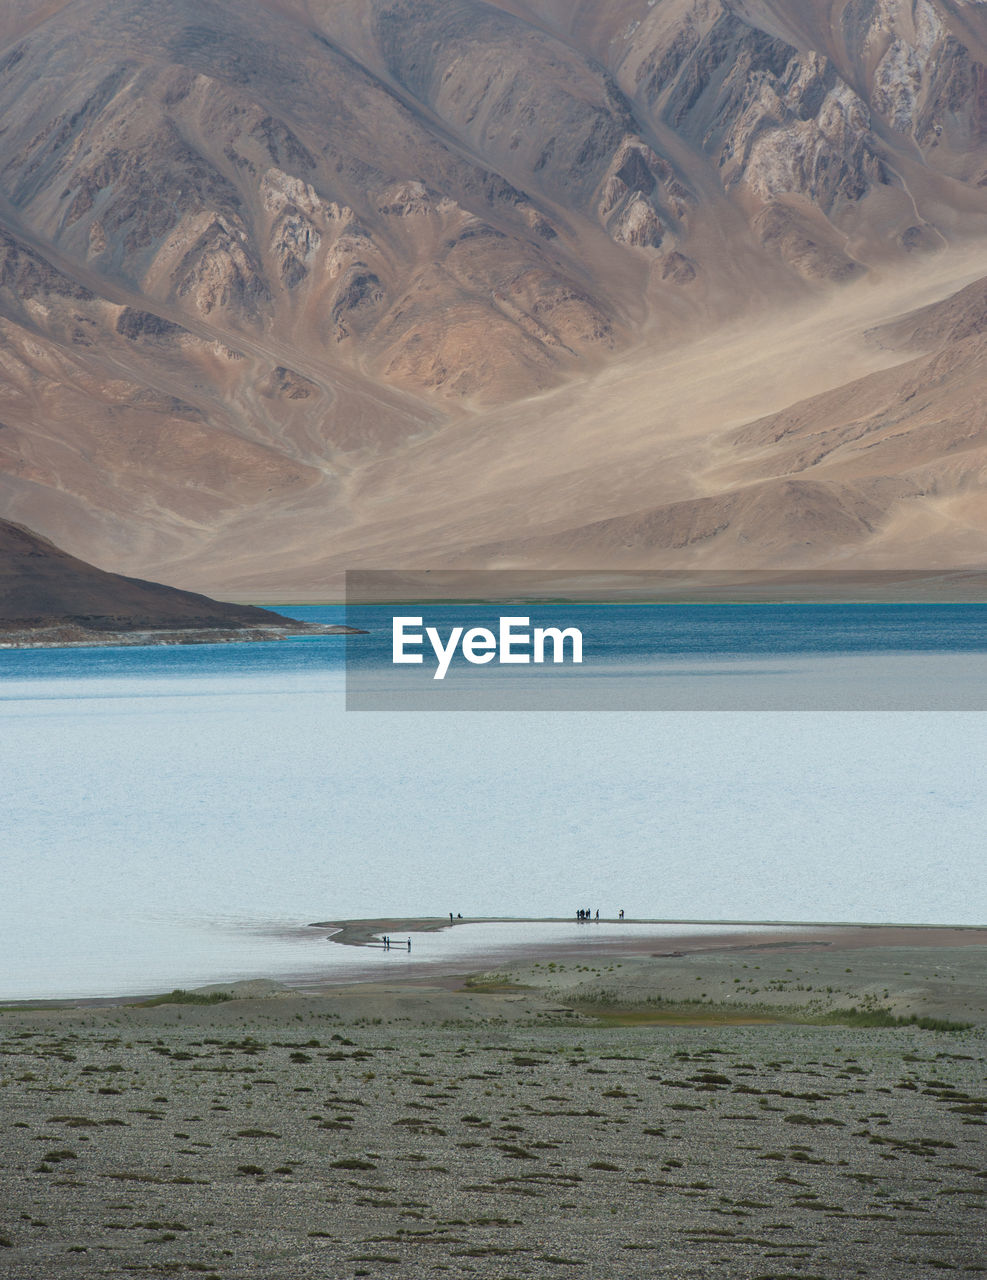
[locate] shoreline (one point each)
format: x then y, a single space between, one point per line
67 636
732 939
361 932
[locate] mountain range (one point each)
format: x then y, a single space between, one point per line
291 286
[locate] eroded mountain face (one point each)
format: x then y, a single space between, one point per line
257 256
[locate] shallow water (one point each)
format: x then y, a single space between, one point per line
169 813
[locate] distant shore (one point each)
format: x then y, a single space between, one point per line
357 933
67 636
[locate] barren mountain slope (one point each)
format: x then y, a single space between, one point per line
862 475
881 468
804 440
291 284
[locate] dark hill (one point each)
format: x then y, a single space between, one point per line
42 587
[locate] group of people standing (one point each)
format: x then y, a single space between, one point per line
582 915
388 941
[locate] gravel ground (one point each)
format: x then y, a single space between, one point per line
503 1130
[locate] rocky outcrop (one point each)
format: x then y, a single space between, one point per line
831 103
806 242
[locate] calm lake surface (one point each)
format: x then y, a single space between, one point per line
174 816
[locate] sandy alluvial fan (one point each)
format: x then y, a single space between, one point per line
290 285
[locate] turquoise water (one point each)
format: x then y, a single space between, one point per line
708 657
178 815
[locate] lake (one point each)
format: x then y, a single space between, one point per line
178 815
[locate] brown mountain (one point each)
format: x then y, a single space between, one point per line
287 286
42 589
